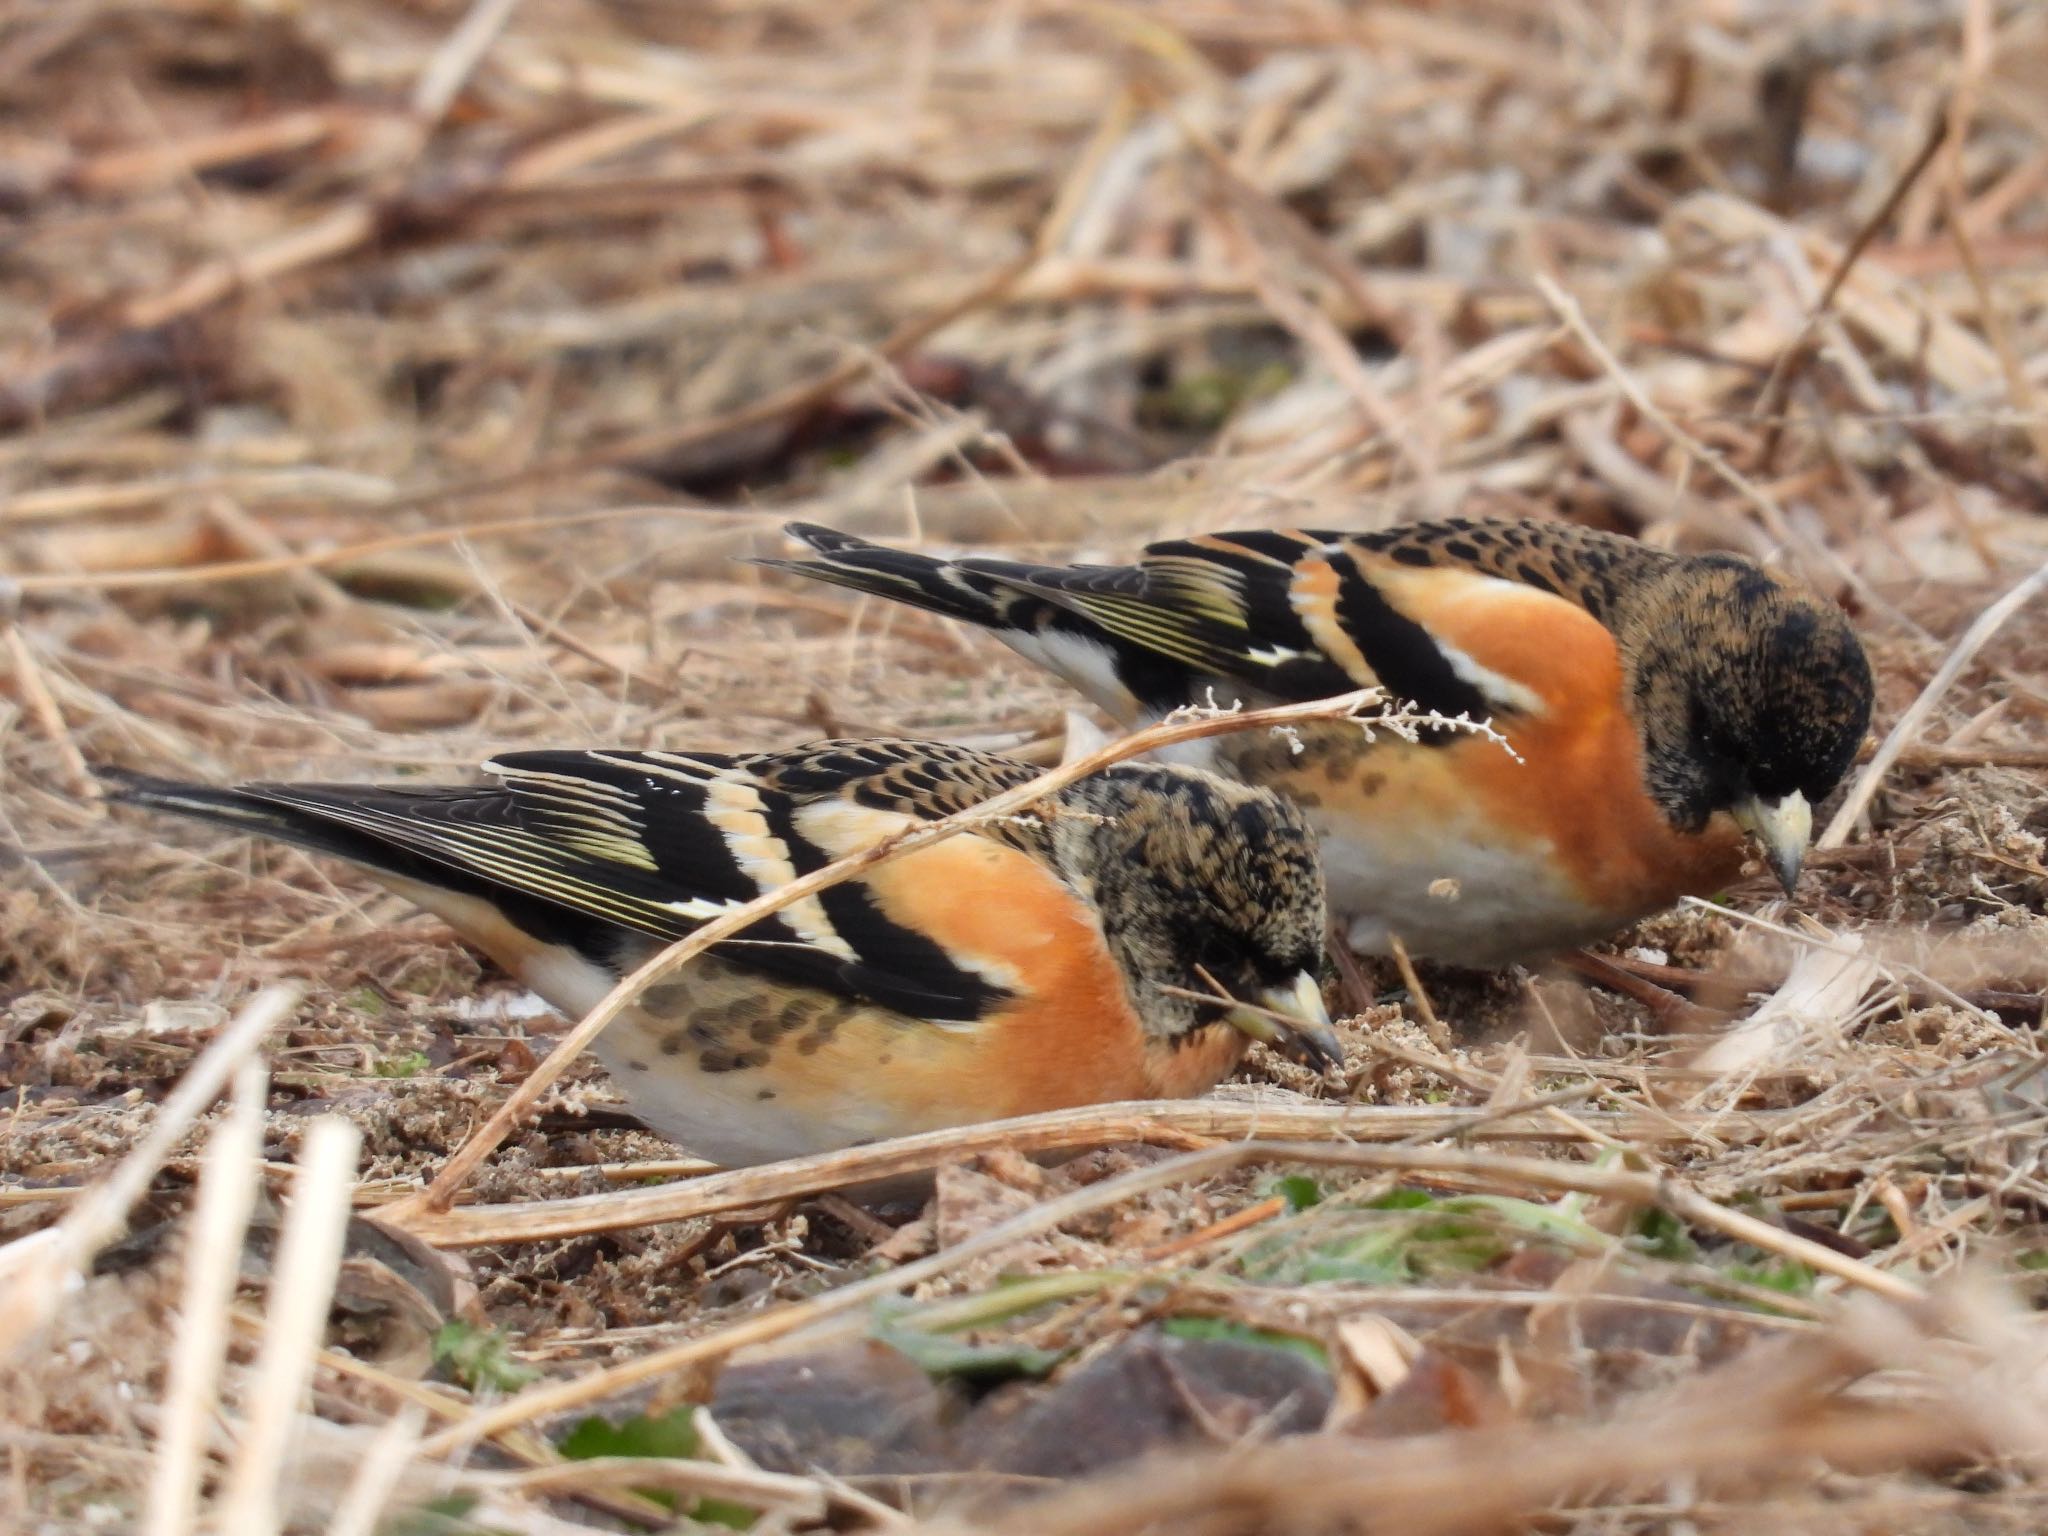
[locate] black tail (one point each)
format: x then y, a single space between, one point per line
920 580
247 808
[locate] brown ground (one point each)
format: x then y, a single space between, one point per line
381 388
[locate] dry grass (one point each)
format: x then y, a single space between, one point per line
384 384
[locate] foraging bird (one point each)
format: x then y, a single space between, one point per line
1031 962
1659 706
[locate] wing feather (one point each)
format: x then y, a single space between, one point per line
571 843
1291 614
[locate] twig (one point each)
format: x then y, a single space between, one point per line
251 570
334 233
1999 755
1567 310
1551 1106
648 447
1646 1188
1216 1231
1732 985
1792 362
1825 988
798 1498
1828 941
361 1510
213 1264
557 1397
1666 1008
43 706
457 58
301 1287
1475 1081
1432 1026
1173 1122
415 1397
1979 45
1749 1417
139 168
1989 622
1322 339
38 1268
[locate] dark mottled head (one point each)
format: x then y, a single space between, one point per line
1193 873
1754 696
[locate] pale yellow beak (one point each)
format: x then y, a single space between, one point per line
1784 830
1303 1024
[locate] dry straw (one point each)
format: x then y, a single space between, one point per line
213 1262
383 386
38 1271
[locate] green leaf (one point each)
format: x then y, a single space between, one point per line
479 1357
1787 1276
671 1436
1400 1200
1404 1254
1661 1235
928 1331
1528 1215
1301 1191
411 1064
1408 1235
1203 401
942 1354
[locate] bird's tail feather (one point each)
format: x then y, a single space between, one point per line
924 581
245 810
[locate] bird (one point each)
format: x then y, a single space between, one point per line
1122 938
1653 710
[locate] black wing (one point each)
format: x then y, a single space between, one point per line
1293 614
570 843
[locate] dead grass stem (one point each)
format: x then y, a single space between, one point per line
385 385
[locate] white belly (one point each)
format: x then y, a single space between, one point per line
1452 899
721 1115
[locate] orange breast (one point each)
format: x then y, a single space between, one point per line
1580 785
1070 1036
1469 854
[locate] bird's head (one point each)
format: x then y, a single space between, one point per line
1753 696
1210 894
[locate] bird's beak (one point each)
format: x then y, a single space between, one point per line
1783 829
1292 1017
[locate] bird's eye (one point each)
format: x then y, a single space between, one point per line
1224 951
1227 957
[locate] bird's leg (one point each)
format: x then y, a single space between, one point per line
1670 1010
1354 992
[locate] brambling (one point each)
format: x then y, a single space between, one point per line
1120 940
1658 706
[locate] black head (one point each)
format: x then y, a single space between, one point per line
1750 692
1200 880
